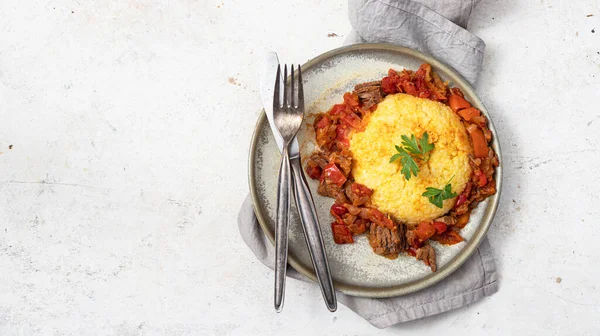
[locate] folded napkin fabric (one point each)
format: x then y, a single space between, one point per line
435 27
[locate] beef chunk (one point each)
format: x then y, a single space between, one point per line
359 226
369 93
427 254
320 158
343 160
387 242
448 220
332 190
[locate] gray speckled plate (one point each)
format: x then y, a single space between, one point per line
355 269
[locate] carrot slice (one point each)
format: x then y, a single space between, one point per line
468 113
457 102
480 147
463 220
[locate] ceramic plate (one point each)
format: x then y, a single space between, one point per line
355 269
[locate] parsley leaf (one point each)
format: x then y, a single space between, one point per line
409 166
421 148
438 196
412 148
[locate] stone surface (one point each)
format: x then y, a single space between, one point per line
130 124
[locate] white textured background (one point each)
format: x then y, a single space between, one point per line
130 124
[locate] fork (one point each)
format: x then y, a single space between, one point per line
288 116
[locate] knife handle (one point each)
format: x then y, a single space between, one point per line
312 233
284 184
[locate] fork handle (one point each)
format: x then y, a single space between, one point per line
312 233
284 184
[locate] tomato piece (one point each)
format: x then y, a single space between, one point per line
313 170
323 122
351 99
412 251
462 198
394 77
469 113
436 94
440 227
361 190
409 88
358 227
420 85
387 86
480 148
379 218
343 135
482 180
332 174
457 102
424 230
449 237
352 120
338 210
341 234
337 109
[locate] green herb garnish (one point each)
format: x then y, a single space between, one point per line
412 148
438 196
418 147
408 163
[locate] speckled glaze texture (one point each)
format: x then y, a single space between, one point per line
356 270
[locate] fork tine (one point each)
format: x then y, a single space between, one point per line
292 93
286 100
300 90
276 96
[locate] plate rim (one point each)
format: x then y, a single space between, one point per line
452 265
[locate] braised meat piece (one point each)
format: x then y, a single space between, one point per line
448 220
358 226
342 159
411 238
313 170
316 163
427 254
352 209
387 242
320 158
332 190
369 93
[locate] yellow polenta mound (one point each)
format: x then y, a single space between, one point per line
402 114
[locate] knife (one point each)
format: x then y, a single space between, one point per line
304 201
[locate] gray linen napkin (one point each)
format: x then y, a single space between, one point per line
431 26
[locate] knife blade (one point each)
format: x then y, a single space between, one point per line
267 84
